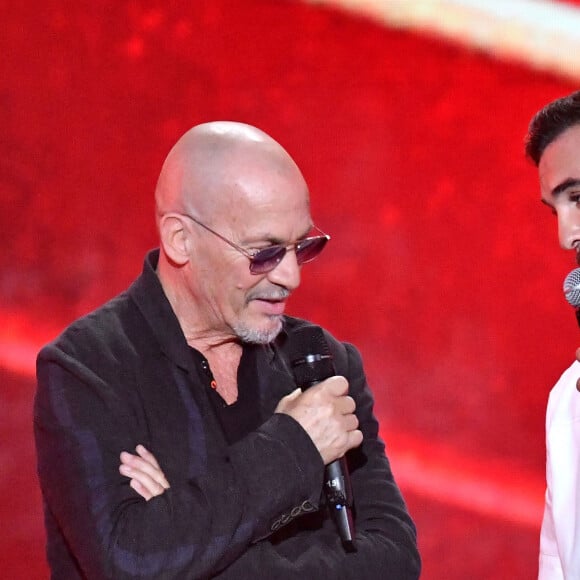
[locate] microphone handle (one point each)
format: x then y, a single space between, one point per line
338 492
339 497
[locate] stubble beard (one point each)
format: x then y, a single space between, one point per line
258 335
254 335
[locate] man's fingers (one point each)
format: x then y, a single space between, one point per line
355 438
147 456
346 405
142 482
141 489
351 422
145 470
327 413
287 401
145 465
337 385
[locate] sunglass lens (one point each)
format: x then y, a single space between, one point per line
309 249
267 259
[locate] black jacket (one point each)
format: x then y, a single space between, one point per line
124 375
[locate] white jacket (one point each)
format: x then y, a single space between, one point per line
560 535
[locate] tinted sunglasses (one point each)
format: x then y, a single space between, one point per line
265 260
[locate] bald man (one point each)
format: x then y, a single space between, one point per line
172 441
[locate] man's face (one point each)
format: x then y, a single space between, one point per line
559 172
235 301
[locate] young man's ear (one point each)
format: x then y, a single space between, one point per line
175 239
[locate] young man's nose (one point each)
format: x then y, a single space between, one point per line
569 229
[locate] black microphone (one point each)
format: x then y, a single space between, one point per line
572 291
311 362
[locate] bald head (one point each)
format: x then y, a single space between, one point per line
230 181
217 164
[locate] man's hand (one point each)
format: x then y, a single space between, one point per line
147 478
326 413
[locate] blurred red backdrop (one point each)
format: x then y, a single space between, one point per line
443 268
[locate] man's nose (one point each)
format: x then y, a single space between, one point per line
287 272
569 229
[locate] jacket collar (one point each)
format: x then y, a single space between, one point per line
148 295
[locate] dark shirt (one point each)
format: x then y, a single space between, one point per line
245 500
243 416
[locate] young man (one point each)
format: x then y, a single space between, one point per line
192 368
553 144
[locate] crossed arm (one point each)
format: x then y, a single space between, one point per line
326 413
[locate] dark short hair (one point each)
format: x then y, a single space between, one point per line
550 122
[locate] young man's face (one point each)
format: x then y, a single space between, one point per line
559 172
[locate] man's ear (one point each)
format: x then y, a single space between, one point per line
175 239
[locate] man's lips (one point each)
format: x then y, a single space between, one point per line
270 306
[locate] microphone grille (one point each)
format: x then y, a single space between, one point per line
308 340
310 356
572 288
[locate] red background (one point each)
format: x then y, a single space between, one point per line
443 268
